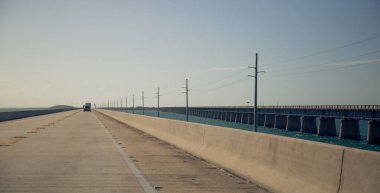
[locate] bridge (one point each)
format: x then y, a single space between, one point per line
299 118
110 151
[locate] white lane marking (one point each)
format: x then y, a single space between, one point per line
138 174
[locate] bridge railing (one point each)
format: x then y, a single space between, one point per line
306 107
326 107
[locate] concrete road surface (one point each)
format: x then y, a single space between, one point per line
87 152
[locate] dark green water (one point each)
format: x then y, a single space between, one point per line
361 144
20 109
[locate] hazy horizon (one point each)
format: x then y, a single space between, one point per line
71 52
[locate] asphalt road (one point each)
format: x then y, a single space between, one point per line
87 152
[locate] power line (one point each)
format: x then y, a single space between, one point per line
221 79
223 86
322 70
171 93
340 67
322 51
325 63
226 77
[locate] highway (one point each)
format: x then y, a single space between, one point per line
79 152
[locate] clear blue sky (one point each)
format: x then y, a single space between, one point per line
69 52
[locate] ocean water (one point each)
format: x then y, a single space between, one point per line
19 109
359 144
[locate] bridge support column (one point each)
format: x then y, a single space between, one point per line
373 136
280 122
244 118
261 119
250 118
293 123
349 129
237 117
269 120
327 126
228 116
309 125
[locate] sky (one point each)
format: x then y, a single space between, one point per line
324 52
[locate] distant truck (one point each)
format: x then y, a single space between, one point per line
87 107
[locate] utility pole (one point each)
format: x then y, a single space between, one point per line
255 76
143 102
108 106
187 100
158 102
133 107
121 104
117 105
256 95
126 104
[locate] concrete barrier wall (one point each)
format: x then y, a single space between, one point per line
361 171
281 164
6 116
